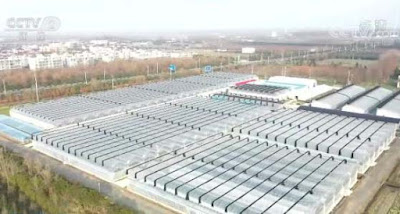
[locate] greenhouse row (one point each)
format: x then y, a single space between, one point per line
230 174
198 147
118 141
368 102
338 99
391 107
272 162
80 108
375 101
350 137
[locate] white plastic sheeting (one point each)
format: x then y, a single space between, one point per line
80 108
338 99
119 141
308 94
217 156
390 109
368 103
350 137
229 174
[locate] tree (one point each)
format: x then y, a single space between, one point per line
396 72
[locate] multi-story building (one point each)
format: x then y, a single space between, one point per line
74 53
13 62
366 28
50 61
84 58
380 25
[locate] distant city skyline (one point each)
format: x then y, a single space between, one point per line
90 16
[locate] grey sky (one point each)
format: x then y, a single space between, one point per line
170 15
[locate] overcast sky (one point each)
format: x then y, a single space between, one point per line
186 15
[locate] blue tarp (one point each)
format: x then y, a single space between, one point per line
284 85
17 129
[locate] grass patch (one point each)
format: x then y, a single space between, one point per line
53 193
5 110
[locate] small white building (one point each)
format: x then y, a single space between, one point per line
248 50
307 94
308 83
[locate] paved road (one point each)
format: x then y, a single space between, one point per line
112 191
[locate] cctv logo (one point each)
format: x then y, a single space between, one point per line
49 23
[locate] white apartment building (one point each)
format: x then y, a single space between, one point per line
99 42
50 61
84 58
13 62
75 53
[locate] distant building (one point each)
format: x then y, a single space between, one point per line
13 62
380 25
45 62
84 58
99 42
74 53
248 50
366 28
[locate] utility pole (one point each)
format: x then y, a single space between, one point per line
348 77
157 67
112 81
268 61
104 74
4 87
199 63
85 78
36 87
398 81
